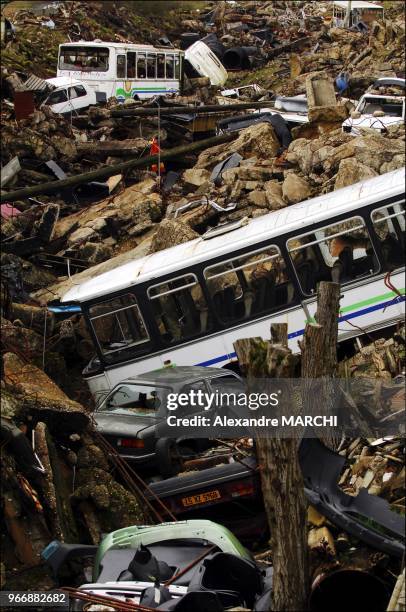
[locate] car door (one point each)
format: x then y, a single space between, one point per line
78 97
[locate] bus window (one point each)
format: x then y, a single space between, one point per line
160 66
389 226
85 59
346 251
151 66
177 67
169 66
131 57
118 324
179 308
121 66
141 66
249 285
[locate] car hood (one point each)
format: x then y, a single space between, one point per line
122 424
369 121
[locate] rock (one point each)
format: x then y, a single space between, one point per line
44 228
18 338
33 317
258 198
94 252
320 92
273 190
97 224
328 114
195 177
81 235
351 171
171 232
259 140
42 398
295 189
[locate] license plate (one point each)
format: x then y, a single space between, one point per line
201 498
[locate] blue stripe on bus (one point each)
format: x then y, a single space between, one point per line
300 332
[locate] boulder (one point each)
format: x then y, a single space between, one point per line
352 171
94 252
295 189
273 190
170 233
259 140
83 234
195 177
258 198
42 398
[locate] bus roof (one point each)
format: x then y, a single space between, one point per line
297 216
355 4
105 43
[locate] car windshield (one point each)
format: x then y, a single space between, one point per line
137 399
392 107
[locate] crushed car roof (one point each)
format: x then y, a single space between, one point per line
177 374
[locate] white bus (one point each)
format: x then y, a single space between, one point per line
189 303
122 70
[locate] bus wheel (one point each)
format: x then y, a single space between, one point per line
168 457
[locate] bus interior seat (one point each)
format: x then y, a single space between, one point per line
341 270
223 303
305 272
392 250
282 294
264 289
364 265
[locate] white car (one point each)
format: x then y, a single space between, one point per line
68 95
376 109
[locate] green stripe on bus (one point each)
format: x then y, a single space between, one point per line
373 300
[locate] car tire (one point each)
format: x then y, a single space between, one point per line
167 457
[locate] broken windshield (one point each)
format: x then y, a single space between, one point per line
139 400
389 106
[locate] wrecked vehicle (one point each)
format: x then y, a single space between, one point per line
129 415
206 63
378 110
122 70
232 492
68 96
155 309
352 14
171 565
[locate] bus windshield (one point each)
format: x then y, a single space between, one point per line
85 59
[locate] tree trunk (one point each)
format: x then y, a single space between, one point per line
281 476
319 360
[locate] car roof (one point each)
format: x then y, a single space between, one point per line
177 375
63 81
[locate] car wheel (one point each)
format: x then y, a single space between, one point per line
168 458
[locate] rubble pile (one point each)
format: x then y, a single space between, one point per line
62 486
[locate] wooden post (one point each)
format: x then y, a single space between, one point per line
281 477
319 359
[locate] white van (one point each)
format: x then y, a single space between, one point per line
206 63
68 95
